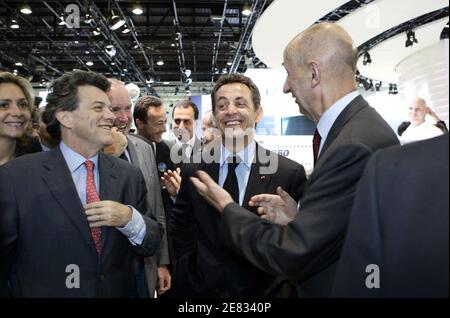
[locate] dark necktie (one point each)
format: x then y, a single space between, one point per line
231 183
123 156
316 145
92 196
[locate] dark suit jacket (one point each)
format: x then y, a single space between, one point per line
308 247
204 267
43 229
400 223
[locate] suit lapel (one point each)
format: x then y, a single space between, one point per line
132 151
354 107
61 185
109 188
257 182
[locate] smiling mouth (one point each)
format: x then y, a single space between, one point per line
106 127
233 123
15 124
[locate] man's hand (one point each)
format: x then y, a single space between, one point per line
211 191
164 279
120 143
108 213
172 181
280 209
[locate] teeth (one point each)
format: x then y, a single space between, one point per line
232 123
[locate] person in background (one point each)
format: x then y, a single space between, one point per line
209 129
140 154
46 141
185 119
419 127
16 107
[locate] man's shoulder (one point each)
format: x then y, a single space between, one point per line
139 143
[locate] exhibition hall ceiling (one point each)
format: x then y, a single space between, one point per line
377 26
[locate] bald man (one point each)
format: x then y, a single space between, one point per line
419 128
306 244
140 154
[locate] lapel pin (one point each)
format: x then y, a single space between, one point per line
263 178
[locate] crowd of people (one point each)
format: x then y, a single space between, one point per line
89 209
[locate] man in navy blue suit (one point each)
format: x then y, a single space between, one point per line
397 240
56 240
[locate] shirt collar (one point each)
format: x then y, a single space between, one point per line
329 117
246 155
73 159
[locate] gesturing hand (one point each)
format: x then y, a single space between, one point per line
280 209
172 181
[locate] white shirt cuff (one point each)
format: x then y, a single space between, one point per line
136 229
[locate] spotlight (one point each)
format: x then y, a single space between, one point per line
89 63
126 30
14 24
410 38
61 20
115 22
246 10
378 86
367 58
137 10
87 18
188 73
25 9
96 31
160 62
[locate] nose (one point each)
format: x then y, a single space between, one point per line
231 109
15 110
286 88
122 116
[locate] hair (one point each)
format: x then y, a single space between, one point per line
142 106
63 96
186 104
236 78
23 84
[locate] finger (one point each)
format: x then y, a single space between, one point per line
283 194
95 218
261 211
199 185
97 224
205 178
262 198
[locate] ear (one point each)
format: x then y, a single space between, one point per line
139 124
314 71
65 119
259 112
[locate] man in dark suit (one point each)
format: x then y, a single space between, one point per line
204 267
72 219
321 67
397 240
140 154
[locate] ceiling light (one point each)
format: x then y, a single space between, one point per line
96 31
18 64
166 83
126 30
87 18
246 10
87 51
113 63
89 63
14 24
26 9
137 10
61 20
160 63
229 63
115 22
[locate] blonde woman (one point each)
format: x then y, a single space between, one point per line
16 104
